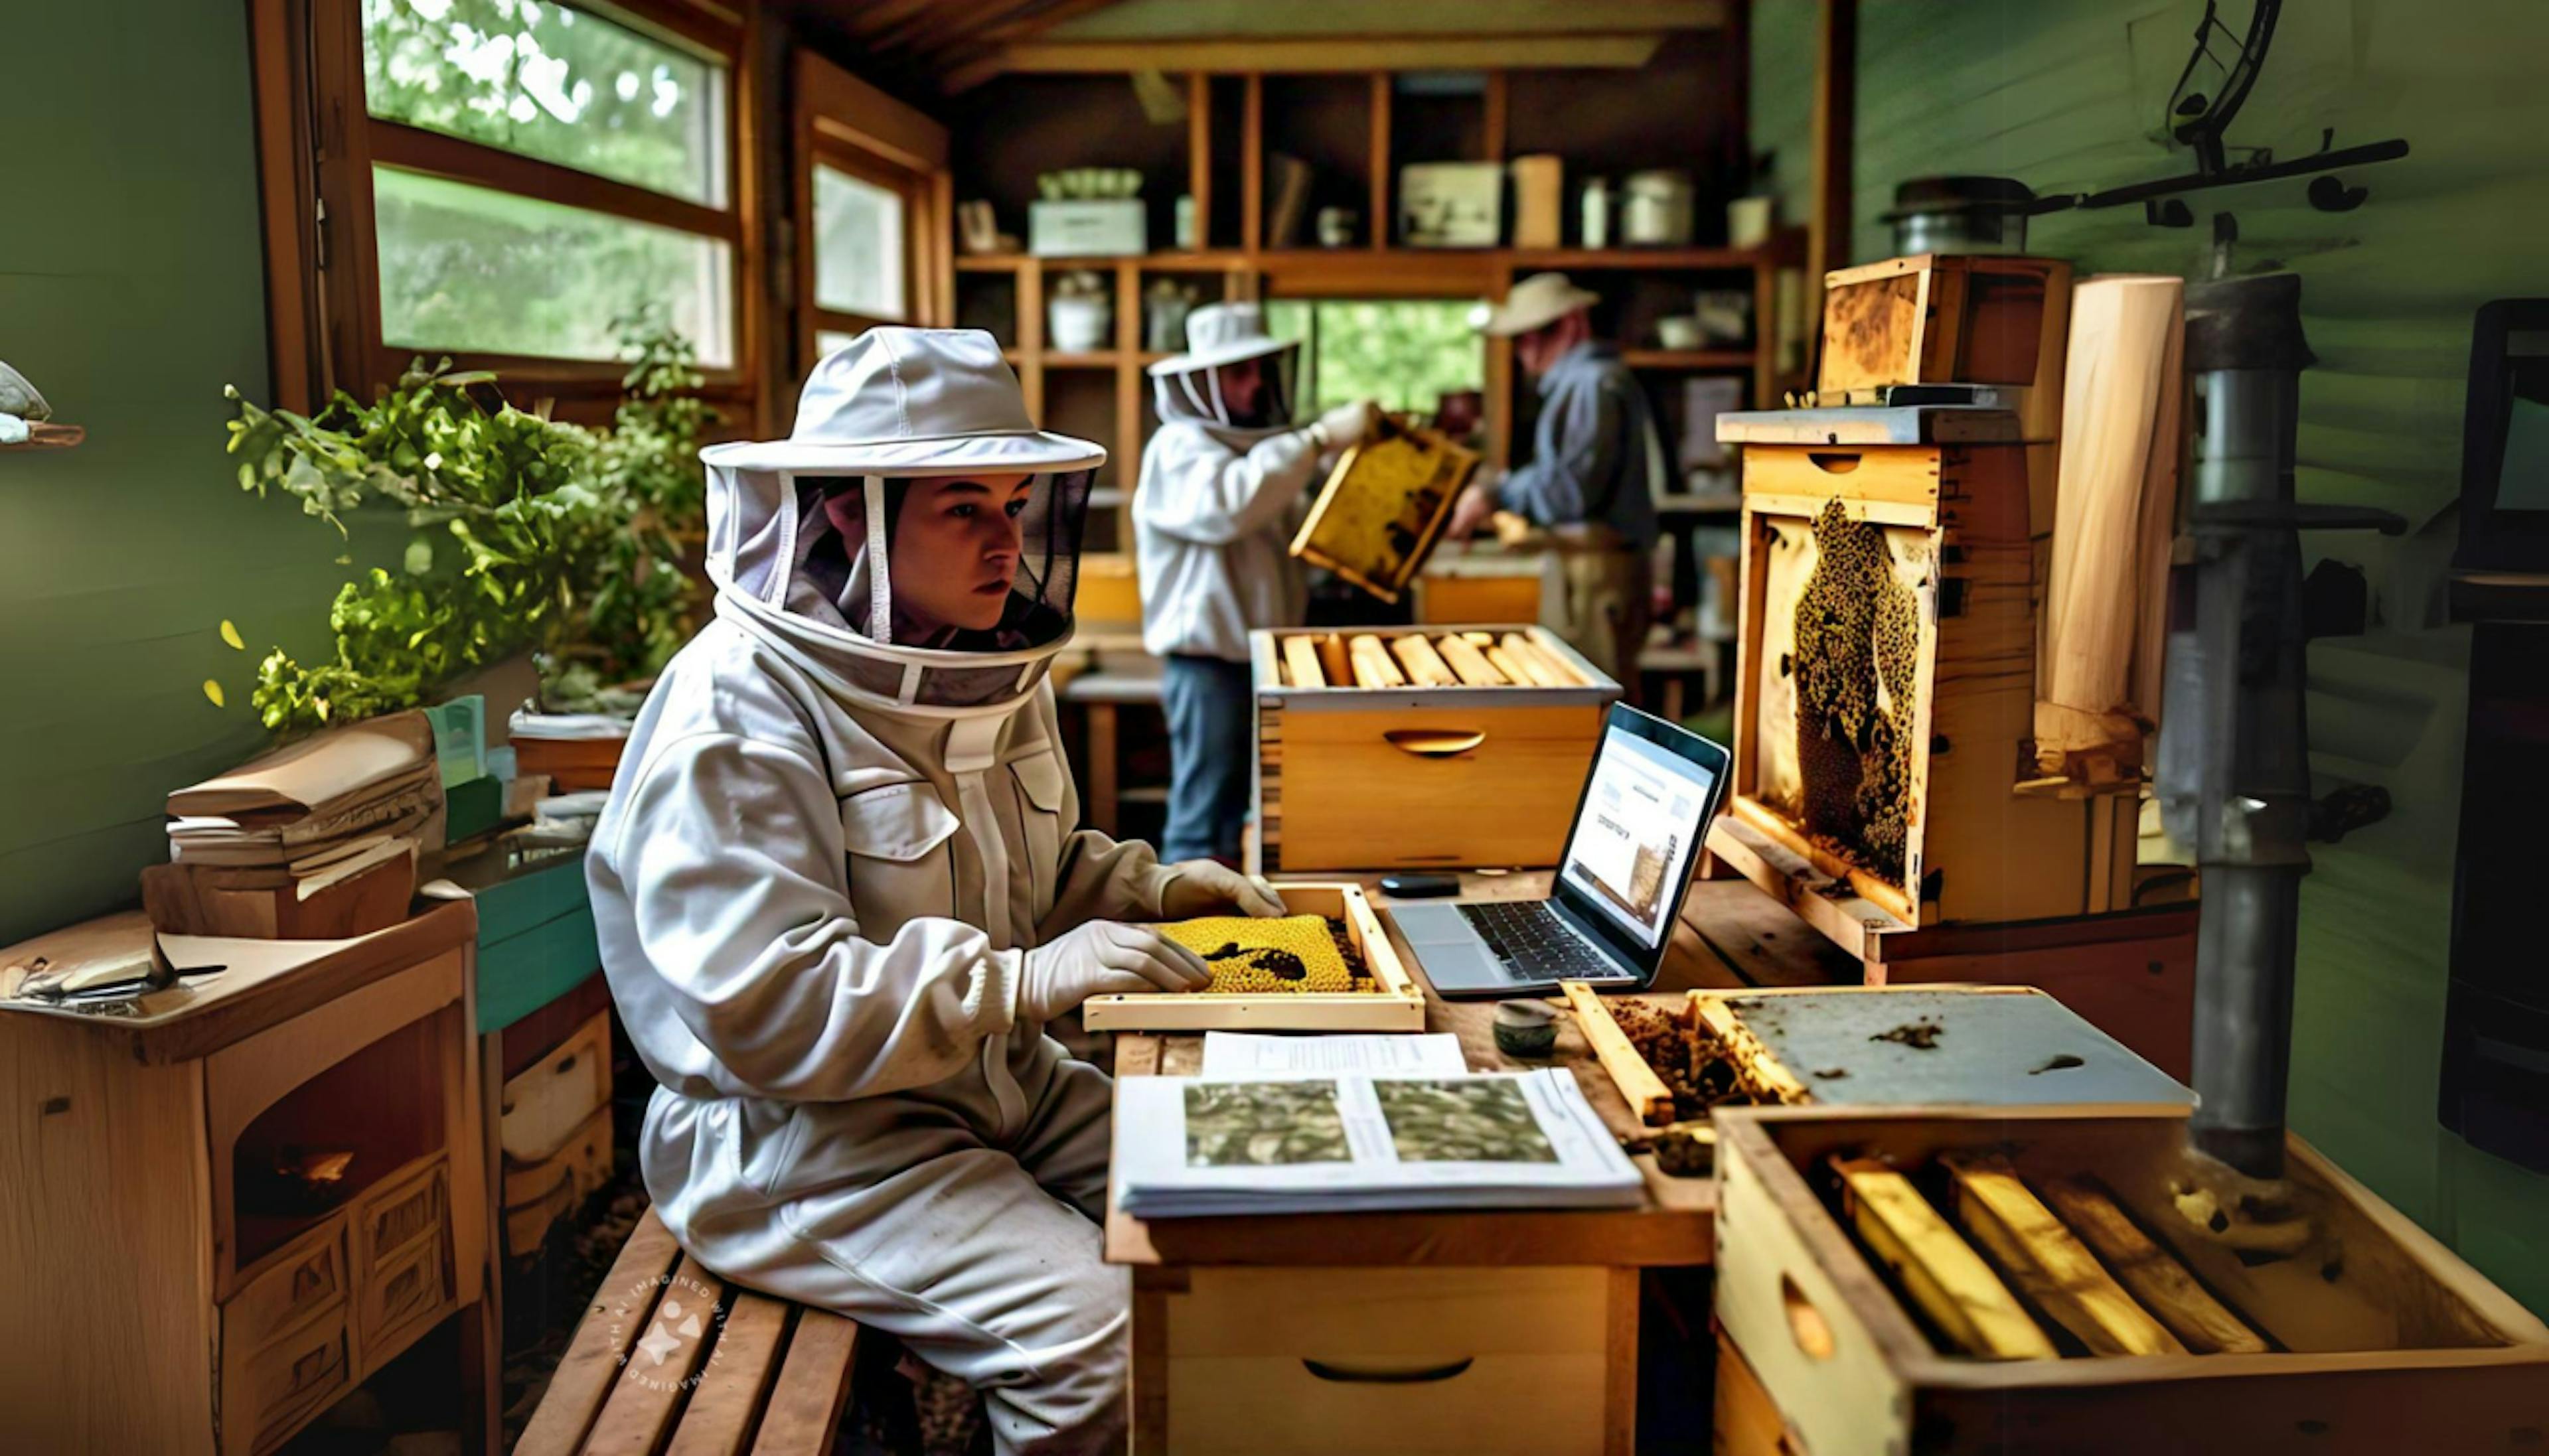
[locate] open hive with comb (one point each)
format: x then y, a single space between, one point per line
1327 966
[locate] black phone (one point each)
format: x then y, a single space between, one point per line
1419 887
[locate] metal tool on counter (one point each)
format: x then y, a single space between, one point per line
2234 779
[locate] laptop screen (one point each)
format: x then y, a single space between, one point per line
1643 812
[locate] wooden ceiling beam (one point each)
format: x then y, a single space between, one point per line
1269 56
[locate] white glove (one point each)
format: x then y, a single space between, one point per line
1346 425
1210 887
1105 958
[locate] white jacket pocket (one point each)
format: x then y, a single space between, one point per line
1042 786
899 868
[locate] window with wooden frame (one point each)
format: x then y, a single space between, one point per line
874 231
505 182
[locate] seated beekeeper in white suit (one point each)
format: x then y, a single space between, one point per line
841 890
1222 492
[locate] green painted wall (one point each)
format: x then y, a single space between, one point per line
131 291
2067 95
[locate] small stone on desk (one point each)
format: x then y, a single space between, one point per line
1526 1029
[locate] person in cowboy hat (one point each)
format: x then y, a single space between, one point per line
840 889
1596 463
1213 517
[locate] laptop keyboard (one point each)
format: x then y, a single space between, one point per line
1533 942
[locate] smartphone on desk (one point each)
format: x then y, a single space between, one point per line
1419 887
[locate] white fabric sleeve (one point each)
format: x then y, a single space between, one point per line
732 855
1207 493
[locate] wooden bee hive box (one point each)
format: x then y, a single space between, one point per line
2359 1335
1420 773
1384 507
1397 1005
1933 318
1885 682
1875 1046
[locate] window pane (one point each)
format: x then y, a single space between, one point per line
551 82
469 268
1406 353
858 247
828 339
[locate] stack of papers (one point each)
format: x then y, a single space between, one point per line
1355 1141
320 811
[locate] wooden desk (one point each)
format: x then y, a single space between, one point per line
1429 1331
163 1297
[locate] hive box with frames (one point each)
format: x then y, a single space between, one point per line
1886 684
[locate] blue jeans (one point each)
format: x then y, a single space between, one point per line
1209 702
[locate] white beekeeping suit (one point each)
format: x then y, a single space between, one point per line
1222 492
839 890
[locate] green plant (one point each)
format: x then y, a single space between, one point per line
530 532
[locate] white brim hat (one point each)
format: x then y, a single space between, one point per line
1535 303
1223 333
912 401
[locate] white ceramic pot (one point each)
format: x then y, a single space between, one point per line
1077 326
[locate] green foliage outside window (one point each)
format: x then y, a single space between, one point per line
552 82
529 533
1406 353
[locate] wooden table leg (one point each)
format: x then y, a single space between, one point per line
482 1324
1150 1378
1620 1366
1102 767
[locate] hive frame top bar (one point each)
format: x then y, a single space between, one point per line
1596 690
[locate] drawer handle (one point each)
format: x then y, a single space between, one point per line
565 1064
1834 462
1421 1375
1433 743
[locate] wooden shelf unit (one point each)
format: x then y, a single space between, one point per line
1357 127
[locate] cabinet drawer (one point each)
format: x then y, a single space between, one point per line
1388 1360
405 1294
404 1211
549 1100
538 1194
1349 789
267 1393
306 1278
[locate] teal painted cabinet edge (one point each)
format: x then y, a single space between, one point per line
521 974
535 942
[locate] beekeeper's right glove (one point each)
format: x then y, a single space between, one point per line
1105 957
1346 425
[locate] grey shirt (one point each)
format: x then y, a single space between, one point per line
1591 456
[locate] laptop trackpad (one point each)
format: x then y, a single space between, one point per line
1428 926
1463 966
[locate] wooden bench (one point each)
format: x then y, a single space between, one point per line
655 1366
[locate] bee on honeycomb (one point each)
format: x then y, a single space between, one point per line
1285 955
1857 656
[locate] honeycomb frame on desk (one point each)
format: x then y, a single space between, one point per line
1397 1004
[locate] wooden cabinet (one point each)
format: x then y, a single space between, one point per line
245 1198
1393 1362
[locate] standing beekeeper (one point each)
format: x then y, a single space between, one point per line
1596 463
1220 496
840 892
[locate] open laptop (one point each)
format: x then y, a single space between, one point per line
1647 804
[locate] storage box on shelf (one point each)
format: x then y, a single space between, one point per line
2361 1333
1353 777
1395 1004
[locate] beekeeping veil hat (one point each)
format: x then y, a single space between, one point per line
800 530
1190 386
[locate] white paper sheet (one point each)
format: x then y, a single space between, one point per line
1233 1055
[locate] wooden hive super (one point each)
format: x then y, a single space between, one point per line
2363 1336
1885 680
1447 774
